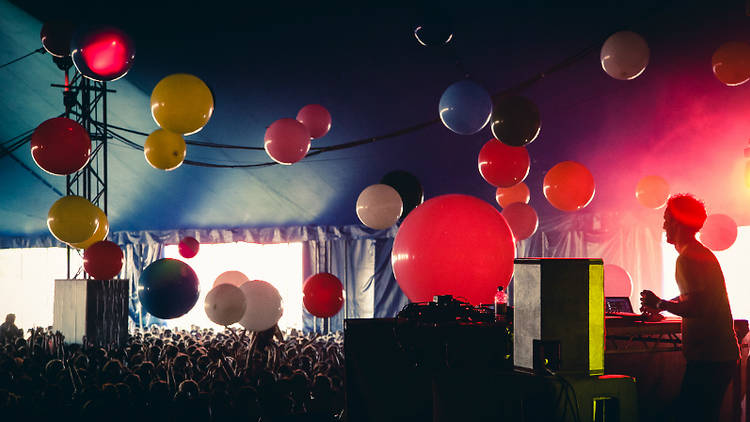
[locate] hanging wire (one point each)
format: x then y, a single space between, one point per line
38 50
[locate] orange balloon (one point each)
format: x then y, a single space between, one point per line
569 186
516 193
731 63
652 192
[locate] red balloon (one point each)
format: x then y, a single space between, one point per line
569 186
522 220
502 165
103 260
102 53
287 141
517 193
731 63
56 37
617 282
453 245
323 295
316 118
188 247
60 146
719 232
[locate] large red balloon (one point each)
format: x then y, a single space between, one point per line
453 245
522 220
103 260
60 146
287 141
569 186
731 63
719 232
102 53
316 118
188 247
503 165
323 295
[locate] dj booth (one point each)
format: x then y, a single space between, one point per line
553 363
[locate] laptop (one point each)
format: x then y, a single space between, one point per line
620 306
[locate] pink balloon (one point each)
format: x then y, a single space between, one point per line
316 118
617 282
287 141
453 245
502 165
719 232
522 220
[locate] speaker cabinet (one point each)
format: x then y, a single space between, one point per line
94 309
559 314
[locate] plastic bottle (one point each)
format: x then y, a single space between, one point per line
501 304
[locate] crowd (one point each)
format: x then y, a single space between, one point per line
174 375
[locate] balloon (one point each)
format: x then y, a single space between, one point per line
617 282
408 187
164 150
719 232
188 247
515 121
56 37
652 192
181 103
103 260
316 119
72 219
323 295
569 186
102 53
235 278
516 193
434 31
731 63
502 165
522 220
465 107
60 146
168 288
225 304
453 244
287 141
264 305
100 234
624 55
379 206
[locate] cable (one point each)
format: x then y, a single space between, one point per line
38 50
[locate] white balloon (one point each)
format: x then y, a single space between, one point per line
264 305
225 304
235 278
624 55
379 206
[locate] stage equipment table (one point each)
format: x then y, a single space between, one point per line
651 352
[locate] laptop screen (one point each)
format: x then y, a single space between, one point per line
618 305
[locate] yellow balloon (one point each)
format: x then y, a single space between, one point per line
100 234
181 103
164 150
73 219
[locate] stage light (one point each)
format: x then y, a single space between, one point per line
102 53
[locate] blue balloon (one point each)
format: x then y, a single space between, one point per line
168 288
465 107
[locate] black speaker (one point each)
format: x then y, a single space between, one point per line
94 309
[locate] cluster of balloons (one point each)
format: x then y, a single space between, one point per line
100 53
731 63
181 104
453 245
569 186
624 55
381 205
652 192
255 304
288 140
323 295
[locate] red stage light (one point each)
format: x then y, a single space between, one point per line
103 53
